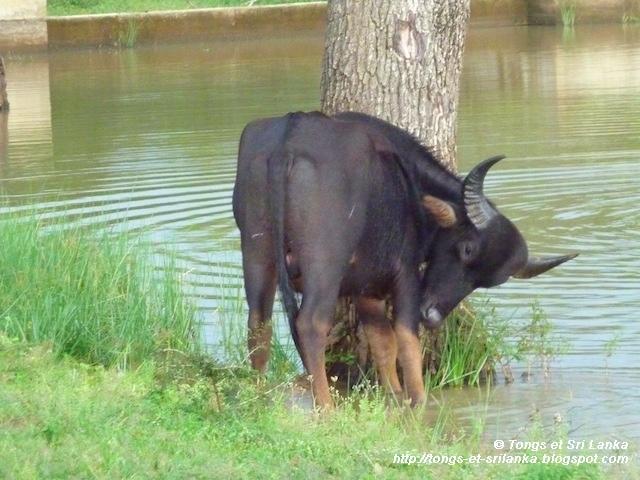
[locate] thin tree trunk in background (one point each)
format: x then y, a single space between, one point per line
4 138
4 114
399 60
4 101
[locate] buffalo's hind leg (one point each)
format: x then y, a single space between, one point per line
313 324
260 286
382 341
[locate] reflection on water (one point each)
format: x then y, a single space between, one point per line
150 136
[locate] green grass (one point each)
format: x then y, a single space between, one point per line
128 36
465 351
94 296
80 7
61 418
630 19
568 13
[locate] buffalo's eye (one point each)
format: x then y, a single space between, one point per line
467 250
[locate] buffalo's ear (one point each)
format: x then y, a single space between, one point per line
443 212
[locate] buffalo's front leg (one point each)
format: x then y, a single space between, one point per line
382 341
407 315
410 357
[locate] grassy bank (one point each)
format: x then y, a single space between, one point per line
60 418
81 7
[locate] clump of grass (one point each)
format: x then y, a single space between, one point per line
568 13
61 418
128 34
95 296
630 19
465 351
610 347
536 343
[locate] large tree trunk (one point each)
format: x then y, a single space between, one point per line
399 60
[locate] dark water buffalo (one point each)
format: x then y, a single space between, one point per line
351 205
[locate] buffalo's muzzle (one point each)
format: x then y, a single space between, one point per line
431 316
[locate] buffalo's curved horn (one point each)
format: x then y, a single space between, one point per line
537 265
478 209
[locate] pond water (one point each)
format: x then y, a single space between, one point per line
150 136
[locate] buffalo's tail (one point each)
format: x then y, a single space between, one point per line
277 171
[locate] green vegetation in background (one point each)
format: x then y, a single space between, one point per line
568 13
128 36
81 7
628 19
94 296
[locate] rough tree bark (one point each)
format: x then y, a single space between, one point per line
4 102
399 60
